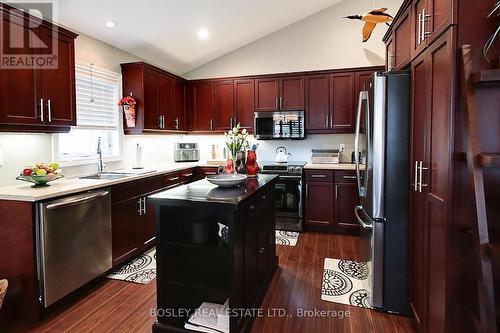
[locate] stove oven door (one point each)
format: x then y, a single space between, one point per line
289 204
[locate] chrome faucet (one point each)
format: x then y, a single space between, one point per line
100 165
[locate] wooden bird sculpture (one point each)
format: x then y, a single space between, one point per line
371 19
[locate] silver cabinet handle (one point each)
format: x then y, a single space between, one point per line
349 177
50 110
210 173
307 190
173 179
422 29
81 199
363 96
421 171
336 192
187 175
159 122
211 123
276 103
140 206
416 177
318 176
176 123
281 103
425 18
326 120
389 60
261 250
144 206
231 122
41 110
331 120
419 38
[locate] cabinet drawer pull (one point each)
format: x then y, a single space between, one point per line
173 179
187 175
49 107
140 206
210 173
349 177
41 110
144 206
318 176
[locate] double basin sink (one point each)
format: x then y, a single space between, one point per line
106 176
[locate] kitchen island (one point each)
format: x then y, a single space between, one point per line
214 244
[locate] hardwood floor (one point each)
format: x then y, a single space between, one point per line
117 306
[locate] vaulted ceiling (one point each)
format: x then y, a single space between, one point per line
166 32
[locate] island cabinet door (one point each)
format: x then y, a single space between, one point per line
265 242
124 229
251 254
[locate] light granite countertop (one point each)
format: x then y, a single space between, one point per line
338 166
24 192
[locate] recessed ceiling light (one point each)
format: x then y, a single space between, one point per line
110 24
203 34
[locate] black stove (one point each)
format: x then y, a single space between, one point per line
288 193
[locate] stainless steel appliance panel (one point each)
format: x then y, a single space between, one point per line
74 242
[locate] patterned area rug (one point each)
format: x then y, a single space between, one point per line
343 282
289 238
140 270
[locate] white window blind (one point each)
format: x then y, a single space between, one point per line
96 97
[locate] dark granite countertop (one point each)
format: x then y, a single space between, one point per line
203 191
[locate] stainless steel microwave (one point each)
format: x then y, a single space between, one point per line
279 125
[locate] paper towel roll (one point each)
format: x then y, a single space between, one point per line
138 157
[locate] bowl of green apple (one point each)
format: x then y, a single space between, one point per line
41 174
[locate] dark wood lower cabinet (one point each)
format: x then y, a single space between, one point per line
330 198
125 230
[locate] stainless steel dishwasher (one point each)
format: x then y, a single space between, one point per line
73 242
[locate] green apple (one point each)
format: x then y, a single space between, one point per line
54 165
41 172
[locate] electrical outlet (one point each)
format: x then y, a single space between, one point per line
342 147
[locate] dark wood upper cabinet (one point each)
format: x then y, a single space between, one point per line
401 55
37 99
291 96
160 99
317 102
58 85
179 106
342 102
266 94
202 104
244 91
165 102
151 112
223 105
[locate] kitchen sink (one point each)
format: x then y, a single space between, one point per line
105 176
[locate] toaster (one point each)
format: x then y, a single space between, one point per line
186 152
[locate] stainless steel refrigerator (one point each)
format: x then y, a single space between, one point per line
382 137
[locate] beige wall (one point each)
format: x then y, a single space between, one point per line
322 41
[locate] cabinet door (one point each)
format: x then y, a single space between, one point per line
418 239
418 9
203 106
319 204
291 93
223 105
58 85
244 91
147 224
165 86
124 229
439 17
346 199
318 102
402 47
151 115
179 110
266 94
440 58
342 109
19 94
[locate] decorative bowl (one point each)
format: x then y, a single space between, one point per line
39 181
227 180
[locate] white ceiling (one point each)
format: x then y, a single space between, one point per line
165 32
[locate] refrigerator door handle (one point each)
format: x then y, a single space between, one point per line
360 220
363 95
